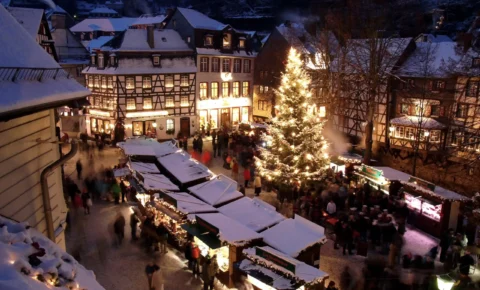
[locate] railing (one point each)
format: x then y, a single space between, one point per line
32 74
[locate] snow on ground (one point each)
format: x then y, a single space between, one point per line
19 245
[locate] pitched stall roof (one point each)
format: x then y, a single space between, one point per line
143 167
157 182
188 204
103 24
217 190
200 21
164 40
184 168
392 174
24 52
147 147
29 18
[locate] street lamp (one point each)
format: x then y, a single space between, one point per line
154 125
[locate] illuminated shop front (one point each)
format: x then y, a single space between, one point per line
100 122
435 208
380 177
224 112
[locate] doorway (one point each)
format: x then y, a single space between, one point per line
225 117
185 126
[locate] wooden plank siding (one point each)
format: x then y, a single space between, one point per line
22 160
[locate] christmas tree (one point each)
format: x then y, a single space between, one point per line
298 154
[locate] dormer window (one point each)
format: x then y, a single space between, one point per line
241 43
92 59
112 59
227 40
208 40
476 62
100 61
156 60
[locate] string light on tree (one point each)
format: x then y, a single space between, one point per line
296 131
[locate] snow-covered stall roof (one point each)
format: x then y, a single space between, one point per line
392 174
439 191
157 182
188 204
230 231
29 18
414 121
184 168
276 280
132 66
292 236
96 43
200 21
253 213
217 190
296 269
121 172
16 245
163 40
147 19
147 147
143 167
103 24
20 51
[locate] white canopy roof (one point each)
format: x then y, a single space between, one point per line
217 190
253 213
392 174
157 182
147 147
144 167
119 172
184 168
189 204
230 230
292 236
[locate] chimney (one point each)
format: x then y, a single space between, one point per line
150 39
288 23
58 21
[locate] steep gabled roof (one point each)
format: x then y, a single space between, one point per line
29 18
164 40
200 21
103 24
298 37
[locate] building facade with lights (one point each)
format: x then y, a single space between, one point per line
143 83
225 65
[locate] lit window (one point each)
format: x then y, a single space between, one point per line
156 60
405 109
204 64
214 90
237 65
215 64
236 89
100 60
246 66
131 105
97 82
147 103
98 102
265 89
184 102
184 82
245 89
261 89
435 136
208 40
410 133
226 65
227 40
147 82
225 89
169 103
170 125
104 83
130 83
110 83
399 132
461 111
169 81
90 81
322 112
203 90
241 43
92 59
112 60
472 89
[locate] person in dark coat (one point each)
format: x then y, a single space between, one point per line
445 243
123 188
119 228
86 200
150 269
79 168
188 254
214 143
465 262
225 140
338 230
347 233
185 143
200 144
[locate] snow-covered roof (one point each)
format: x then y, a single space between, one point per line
144 167
16 245
392 174
200 21
188 204
304 272
431 60
29 18
292 236
426 37
133 66
439 191
96 43
277 281
265 38
147 147
103 10
120 172
253 213
157 182
212 51
184 168
103 24
164 40
298 37
149 19
217 190
465 66
230 231
414 121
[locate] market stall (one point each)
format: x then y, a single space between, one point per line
433 209
337 165
155 182
299 238
217 234
183 170
143 167
217 191
380 177
146 148
255 214
269 269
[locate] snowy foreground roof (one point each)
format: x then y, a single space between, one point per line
157 182
200 21
93 44
189 204
20 50
144 167
147 147
29 18
229 230
103 24
292 236
253 213
301 271
17 244
184 168
217 190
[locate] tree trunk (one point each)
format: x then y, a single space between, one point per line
368 136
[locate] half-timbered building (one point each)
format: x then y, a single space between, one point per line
143 83
225 64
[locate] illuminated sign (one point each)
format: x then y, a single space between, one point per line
99 113
223 103
226 76
146 114
274 259
372 172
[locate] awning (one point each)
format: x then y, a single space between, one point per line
208 238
